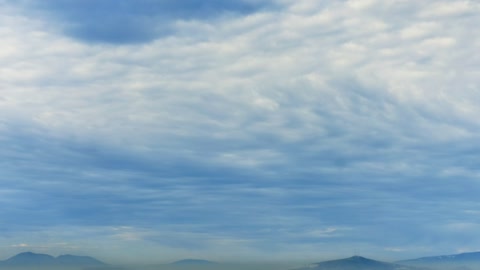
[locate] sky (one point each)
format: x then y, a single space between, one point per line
301 130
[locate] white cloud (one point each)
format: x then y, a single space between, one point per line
345 92
22 245
361 4
449 8
395 249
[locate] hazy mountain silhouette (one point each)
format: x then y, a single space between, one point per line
356 263
29 259
461 261
470 257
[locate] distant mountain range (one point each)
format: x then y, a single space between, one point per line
455 258
357 263
29 259
462 261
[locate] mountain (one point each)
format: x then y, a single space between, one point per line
192 262
461 261
356 263
28 259
462 257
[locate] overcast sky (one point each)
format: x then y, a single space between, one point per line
154 130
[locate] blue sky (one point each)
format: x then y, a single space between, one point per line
303 130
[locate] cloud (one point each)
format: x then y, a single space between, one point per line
20 245
309 127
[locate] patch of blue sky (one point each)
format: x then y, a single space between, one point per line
133 21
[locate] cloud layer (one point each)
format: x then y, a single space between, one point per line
280 130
